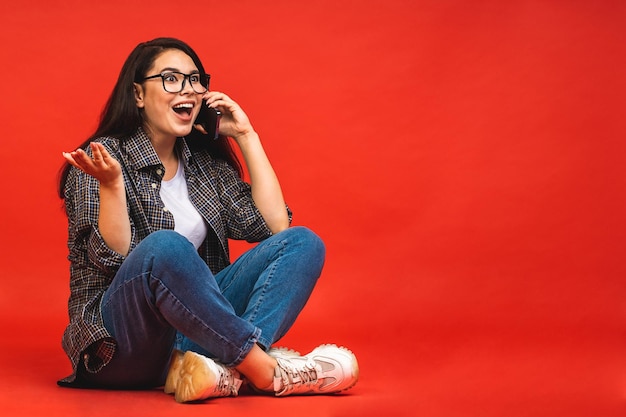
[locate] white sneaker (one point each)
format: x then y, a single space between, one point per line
283 352
173 375
327 369
193 377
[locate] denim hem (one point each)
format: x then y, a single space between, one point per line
243 352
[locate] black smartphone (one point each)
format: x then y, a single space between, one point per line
209 119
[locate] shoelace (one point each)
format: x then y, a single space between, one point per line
294 377
227 384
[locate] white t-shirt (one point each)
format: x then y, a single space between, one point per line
187 221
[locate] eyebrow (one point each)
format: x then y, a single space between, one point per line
171 69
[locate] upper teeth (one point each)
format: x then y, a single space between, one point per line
184 105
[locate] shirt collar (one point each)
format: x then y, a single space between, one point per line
141 153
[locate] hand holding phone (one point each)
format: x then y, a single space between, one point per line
209 119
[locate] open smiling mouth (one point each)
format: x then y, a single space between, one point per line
184 108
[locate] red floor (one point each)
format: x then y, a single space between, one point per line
468 376
407 369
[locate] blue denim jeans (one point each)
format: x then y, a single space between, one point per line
165 296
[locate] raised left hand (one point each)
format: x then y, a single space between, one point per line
234 121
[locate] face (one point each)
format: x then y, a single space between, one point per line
168 115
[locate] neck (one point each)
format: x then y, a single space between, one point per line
163 145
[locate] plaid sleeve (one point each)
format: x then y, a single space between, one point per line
244 221
91 266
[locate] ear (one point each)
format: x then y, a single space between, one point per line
139 94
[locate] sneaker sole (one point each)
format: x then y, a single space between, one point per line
173 374
348 353
283 352
194 379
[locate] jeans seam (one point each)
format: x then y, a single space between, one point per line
248 261
197 319
268 281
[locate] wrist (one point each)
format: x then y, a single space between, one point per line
113 186
246 137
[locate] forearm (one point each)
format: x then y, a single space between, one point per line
113 220
266 191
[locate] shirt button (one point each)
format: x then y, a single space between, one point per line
154 185
165 209
159 171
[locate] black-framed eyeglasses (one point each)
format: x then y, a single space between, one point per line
174 82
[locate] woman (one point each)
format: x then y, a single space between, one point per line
151 202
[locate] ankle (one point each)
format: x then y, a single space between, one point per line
258 368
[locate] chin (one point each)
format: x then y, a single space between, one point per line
184 131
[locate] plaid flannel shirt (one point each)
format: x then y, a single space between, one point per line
220 196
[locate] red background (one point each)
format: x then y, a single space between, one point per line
463 161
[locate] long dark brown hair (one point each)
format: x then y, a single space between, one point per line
121 117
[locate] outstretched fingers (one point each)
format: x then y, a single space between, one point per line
101 165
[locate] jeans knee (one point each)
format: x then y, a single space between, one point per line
166 242
307 242
167 254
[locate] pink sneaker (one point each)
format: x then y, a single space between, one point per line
327 369
193 377
283 352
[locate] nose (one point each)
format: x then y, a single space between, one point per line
187 87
